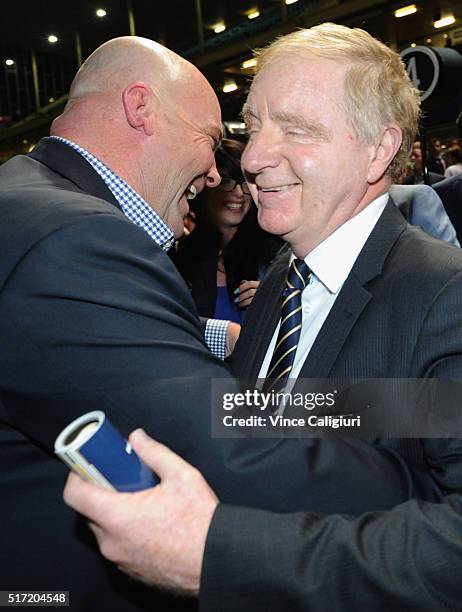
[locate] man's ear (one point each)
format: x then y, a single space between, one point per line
384 152
140 105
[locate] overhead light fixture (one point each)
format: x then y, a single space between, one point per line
229 86
429 41
253 14
413 45
9 62
101 12
404 11
51 100
250 63
52 39
219 27
235 127
291 1
447 20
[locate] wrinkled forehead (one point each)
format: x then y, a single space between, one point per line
286 74
290 86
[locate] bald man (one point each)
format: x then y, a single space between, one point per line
93 315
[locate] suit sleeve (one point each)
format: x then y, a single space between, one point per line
99 319
422 206
406 558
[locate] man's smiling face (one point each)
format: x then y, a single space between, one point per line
305 165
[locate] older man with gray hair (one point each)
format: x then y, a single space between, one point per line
331 116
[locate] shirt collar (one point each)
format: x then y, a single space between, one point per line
132 204
332 260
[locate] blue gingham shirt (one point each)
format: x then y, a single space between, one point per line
141 214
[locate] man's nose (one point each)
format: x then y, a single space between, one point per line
261 152
213 179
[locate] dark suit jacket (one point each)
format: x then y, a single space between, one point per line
93 315
398 315
450 192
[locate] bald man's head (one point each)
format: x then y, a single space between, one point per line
150 116
123 60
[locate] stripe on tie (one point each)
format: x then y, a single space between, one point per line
291 324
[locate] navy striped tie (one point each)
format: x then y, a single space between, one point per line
291 324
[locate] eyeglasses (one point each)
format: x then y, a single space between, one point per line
228 184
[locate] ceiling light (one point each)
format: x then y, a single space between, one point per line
51 100
429 41
9 62
229 87
101 13
250 63
219 27
413 45
253 14
404 11
291 1
445 21
52 39
235 127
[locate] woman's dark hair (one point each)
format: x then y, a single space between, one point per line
228 160
251 248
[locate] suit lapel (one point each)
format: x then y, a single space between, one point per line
270 311
346 310
354 295
64 160
261 320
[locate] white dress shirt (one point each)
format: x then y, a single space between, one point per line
330 263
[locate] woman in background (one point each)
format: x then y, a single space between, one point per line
227 254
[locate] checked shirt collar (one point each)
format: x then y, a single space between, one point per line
132 204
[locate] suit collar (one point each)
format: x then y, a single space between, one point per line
354 295
372 258
332 260
261 319
62 159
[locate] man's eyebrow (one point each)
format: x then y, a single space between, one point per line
315 129
247 114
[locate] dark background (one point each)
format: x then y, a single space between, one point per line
27 110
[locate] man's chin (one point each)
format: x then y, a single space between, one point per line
272 225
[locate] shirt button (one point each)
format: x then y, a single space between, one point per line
306 309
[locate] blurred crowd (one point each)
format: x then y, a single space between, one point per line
443 160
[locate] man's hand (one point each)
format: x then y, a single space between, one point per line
158 535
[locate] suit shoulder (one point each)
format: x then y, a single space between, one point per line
30 186
35 203
417 253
